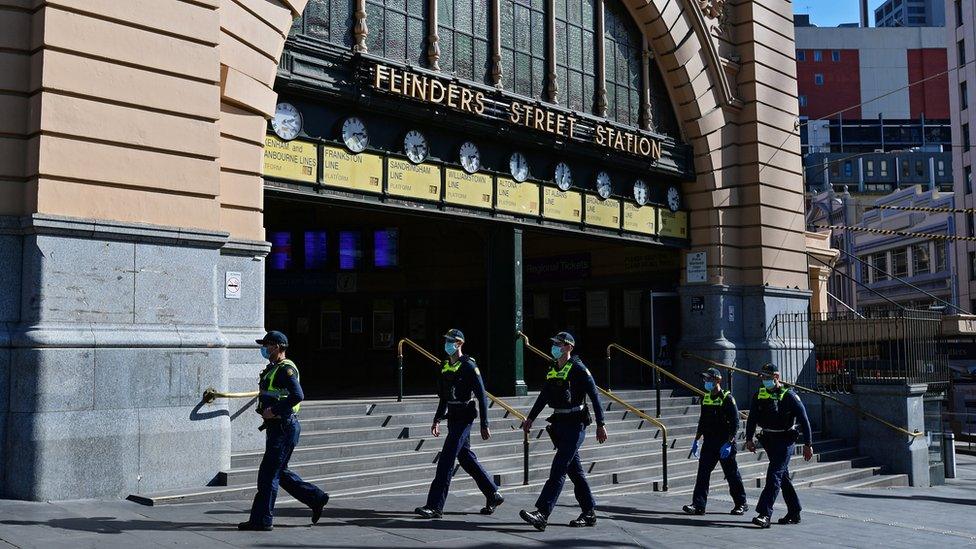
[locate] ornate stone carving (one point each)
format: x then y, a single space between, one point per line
360 31
717 14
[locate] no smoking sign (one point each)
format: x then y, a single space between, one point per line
232 285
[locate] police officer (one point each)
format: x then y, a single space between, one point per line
460 378
718 423
567 385
278 403
780 413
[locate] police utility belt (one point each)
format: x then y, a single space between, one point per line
460 402
575 414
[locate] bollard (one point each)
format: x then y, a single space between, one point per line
949 454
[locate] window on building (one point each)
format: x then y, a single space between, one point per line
316 250
462 36
940 257
817 56
963 95
835 55
350 250
906 171
965 137
920 259
623 64
961 49
834 169
958 13
575 53
865 270
328 20
801 55
398 29
280 258
940 168
880 262
884 168
803 101
899 262
972 265
523 46
869 168
970 229
848 168
818 79
968 179
386 248
919 169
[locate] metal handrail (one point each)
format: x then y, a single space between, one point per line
855 409
628 407
504 405
657 369
210 394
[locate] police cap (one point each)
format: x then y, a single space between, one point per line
273 337
564 338
712 373
769 369
454 335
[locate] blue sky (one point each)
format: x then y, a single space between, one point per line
830 13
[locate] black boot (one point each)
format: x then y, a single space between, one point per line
586 518
790 518
317 509
491 503
761 521
739 509
690 510
427 512
251 527
535 518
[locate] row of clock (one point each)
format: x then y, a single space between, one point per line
287 124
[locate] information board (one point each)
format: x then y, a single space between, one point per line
354 172
602 213
519 198
673 223
640 219
294 160
409 180
562 205
468 189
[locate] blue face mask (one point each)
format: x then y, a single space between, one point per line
556 352
769 383
709 385
265 353
450 348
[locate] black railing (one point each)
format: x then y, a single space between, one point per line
834 351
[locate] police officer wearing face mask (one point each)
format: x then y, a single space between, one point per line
278 403
718 423
780 413
460 378
568 383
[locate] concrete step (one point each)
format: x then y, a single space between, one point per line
877 481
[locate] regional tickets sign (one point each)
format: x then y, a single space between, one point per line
562 206
421 181
355 172
468 189
295 160
673 224
602 213
519 198
640 219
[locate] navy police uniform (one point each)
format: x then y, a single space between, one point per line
718 424
783 418
460 387
281 391
565 392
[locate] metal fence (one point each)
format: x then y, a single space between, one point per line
833 351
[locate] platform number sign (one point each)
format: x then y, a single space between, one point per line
232 285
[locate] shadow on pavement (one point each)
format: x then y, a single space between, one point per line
937 499
112 525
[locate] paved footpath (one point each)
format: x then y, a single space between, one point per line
891 518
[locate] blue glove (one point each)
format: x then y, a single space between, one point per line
726 451
694 448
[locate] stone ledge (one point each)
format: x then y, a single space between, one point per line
246 248
43 224
130 336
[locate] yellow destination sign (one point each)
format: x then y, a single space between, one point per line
355 172
296 160
602 213
563 206
673 224
515 197
468 189
640 219
421 181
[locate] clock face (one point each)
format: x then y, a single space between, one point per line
354 134
603 187
470 157
640 192
415 146
564 177
519 167
287 121
674 199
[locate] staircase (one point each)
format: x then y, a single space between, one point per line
380 446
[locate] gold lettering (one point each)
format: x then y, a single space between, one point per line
572 126
394 75
630 143
645 146
560 123
549 122
465 99
479 99
452 93
436 88
601 135
656 149
538 114
382 73
422 84
619 142
515 110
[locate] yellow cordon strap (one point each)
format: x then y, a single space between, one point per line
766 395
561 374
707 400
897 233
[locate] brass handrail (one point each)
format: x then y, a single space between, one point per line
855 409
628 407
504 405
210 394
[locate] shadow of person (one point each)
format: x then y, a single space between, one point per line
113 525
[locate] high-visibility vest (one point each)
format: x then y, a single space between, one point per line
766 395
275 392
562 374
717 401
450 368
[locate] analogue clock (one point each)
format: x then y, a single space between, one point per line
287 121
354 134
470 157
564 177
603 187
519 166
415 145
640 192
674 199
